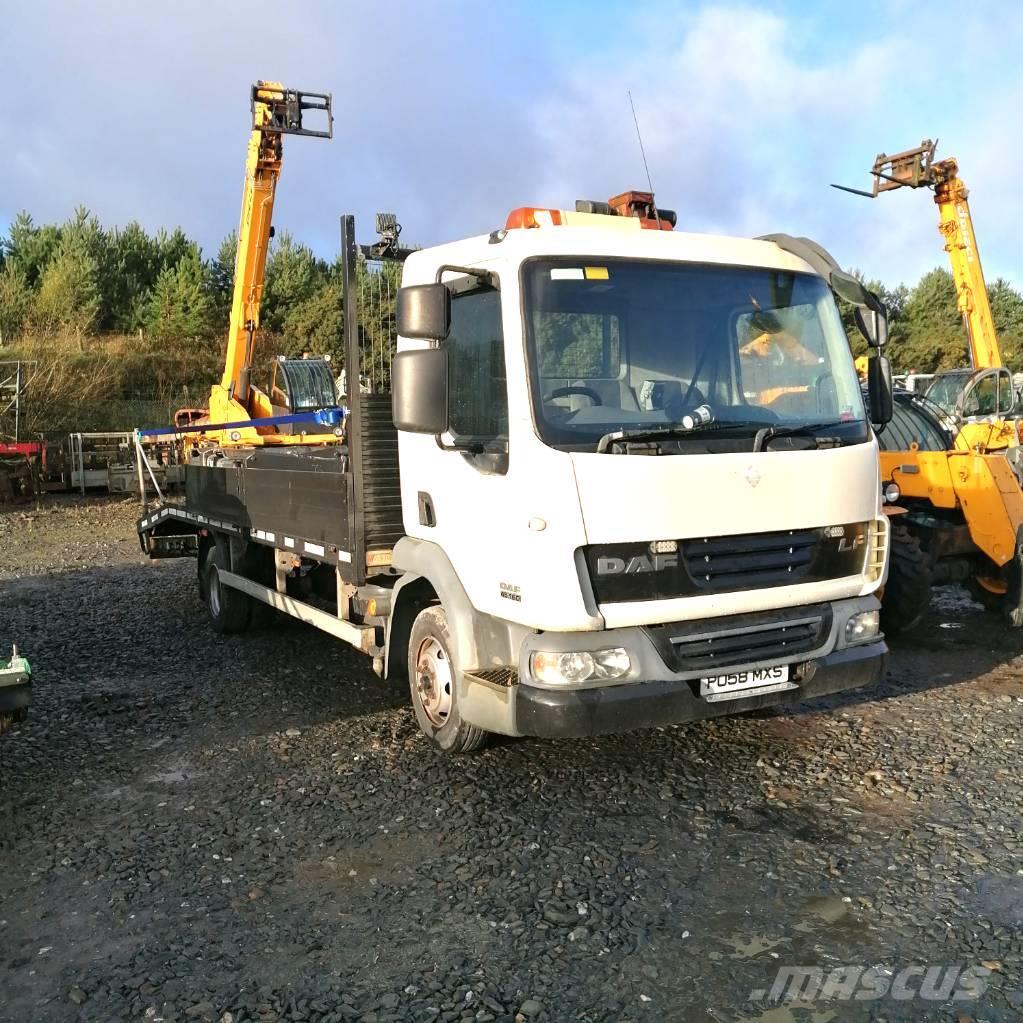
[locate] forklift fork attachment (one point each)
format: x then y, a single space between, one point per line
280 110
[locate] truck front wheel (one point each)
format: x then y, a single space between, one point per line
432 680
230 610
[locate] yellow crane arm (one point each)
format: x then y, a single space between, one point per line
262 169
956 225
276 111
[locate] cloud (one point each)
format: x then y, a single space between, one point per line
741 129
141 111
452 113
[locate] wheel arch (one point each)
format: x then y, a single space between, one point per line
429 577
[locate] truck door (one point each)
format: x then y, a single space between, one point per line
465 501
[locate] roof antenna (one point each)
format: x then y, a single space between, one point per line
646 166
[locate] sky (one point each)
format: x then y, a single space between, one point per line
450 114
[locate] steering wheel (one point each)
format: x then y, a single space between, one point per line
563 392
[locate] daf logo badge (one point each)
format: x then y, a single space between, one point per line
752 476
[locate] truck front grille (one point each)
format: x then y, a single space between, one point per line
725 563
695 566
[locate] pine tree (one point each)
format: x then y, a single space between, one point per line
136 264
31 248
222 277
68 300
181 307
15 301
293 276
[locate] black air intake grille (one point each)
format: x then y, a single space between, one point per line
730 563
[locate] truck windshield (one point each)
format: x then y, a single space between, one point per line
635 345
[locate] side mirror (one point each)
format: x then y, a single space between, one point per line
879 389
873 325
424 311
419 389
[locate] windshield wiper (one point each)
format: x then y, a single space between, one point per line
656 433
769 433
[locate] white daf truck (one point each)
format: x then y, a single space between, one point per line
615 476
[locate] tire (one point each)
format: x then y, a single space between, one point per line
987 599
230 610
907 594
432 673
257 564
1012 602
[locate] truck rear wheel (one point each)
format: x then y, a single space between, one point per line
230 610
907 593
432 681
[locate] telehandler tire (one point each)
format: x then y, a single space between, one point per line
432 677
1013 600
230 610
988 599
907 593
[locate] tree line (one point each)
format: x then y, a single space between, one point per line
926 331
81 281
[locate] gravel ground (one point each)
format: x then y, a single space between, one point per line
251 828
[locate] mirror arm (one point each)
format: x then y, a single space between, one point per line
485 277
472 447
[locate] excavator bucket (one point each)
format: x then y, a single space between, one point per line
279 110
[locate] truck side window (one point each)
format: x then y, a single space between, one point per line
982 399
477 384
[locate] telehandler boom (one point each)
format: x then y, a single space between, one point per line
276 112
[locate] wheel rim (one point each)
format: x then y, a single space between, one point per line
214 589
434 681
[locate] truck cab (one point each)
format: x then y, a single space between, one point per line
644 460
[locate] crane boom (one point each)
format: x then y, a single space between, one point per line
916 168
276 112
956 225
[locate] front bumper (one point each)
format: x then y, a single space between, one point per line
632 705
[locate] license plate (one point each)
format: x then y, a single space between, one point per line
745 683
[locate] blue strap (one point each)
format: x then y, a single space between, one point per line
328 417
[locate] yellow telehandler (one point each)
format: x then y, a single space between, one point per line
953 453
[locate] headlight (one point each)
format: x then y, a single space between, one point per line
561 669
891 493
866 625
